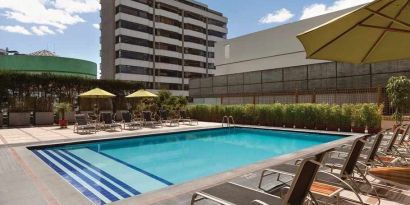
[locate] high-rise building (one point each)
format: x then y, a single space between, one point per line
162 43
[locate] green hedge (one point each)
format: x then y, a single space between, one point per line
345 117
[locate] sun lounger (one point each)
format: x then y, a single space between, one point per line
164 118
231 193
345 178
107 121
150 120
84 125
130 122
183 117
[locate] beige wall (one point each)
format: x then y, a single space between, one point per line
273 48
107 39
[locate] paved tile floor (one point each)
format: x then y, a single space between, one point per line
35 135
24 180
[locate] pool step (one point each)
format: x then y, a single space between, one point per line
100 182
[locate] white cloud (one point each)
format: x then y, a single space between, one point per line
278 16
51 16
319 9
42 30
78 6
15 29
96 25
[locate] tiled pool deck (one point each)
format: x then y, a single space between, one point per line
27 180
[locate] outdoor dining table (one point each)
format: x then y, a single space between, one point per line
399 176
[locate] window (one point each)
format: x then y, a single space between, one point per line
133 41
146 2
168 21
168 8
194 16
134 12
169 73
217 34
195 40
195 28
134 26
133 55
217 23
166 59
168 47
133 70
193 63
168 34
193 51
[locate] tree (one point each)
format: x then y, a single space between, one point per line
398 91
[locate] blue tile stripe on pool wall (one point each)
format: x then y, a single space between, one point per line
91 196
112 188
135 168
119 182
92 186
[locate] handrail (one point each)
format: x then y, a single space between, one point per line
229 121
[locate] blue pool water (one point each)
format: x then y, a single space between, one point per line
113 170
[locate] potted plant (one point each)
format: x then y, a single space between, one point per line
62 109
20 111
398 92
43 114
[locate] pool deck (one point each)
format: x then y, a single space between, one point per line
25 179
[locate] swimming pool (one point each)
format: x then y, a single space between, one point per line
109 171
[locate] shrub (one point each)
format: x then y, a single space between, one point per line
319 116
398 91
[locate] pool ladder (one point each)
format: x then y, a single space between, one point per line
228 120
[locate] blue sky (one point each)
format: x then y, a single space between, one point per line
69 27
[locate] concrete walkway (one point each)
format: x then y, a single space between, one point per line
53 134
25 179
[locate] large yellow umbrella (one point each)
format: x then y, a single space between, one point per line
378 31
142 94
96 93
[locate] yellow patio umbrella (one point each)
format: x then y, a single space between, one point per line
96 93
378 31
142 94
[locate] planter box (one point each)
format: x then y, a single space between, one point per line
44 118
1 119
19 119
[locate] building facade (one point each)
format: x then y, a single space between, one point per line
162 43
270 66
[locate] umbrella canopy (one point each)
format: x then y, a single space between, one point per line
378 31
96 93
142 94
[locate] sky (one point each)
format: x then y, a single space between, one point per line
71 27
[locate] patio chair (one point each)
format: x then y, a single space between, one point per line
108 121
231 193
164 118
183 117
345 178
82 123
150 120
130 122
